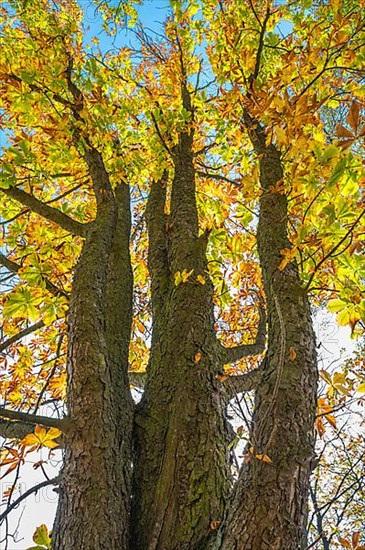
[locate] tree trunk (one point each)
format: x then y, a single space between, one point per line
181 464
95 485
269 509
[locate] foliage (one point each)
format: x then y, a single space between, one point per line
293 66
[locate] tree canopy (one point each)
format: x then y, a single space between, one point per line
174 208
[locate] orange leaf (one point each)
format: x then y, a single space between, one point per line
344 542
355 538
346 143
264 458
214 524
292 353
198 356
10 469
320 427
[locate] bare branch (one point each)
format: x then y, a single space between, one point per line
25 495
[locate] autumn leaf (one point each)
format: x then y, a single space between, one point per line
41 438
353 116
201 279
182 276
292 353
42 538
345 543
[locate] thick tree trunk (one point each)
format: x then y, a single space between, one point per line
94 492
181 463
269 509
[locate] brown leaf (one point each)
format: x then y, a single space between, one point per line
353 116
355 538
343 132
344 542
346 143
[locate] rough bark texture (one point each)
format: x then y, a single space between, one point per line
94 492
269 508
181 467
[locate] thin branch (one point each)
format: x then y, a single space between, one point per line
158 131
333 250
260 48
21 334
217 177
35 489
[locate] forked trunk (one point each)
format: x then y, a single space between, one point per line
181 463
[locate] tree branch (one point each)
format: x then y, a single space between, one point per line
14 429
9 264
14 267
231 355
19 335
48 212
25 495
34 419
242 382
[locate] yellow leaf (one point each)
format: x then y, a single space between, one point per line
325 376
292 353
186 274
264 458
201 279
198 356
182 276
361 388
178 279
41 438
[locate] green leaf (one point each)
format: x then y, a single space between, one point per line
41 536
21 303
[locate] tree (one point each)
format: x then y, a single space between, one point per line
215 133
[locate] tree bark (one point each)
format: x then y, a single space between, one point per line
94 498
181 470
269 508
